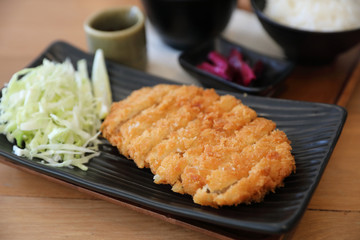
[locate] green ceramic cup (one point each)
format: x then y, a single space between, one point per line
120 33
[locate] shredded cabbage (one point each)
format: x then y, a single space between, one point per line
50 112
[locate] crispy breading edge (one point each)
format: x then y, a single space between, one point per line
182 138
148 118
206 196
194 177
282 161
171 171
173 165
188 104
131 106
265 176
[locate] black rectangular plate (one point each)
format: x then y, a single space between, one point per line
274 73
313 129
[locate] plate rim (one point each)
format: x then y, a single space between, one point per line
281 228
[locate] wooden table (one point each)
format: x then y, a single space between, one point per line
32 207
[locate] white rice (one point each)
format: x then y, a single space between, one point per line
315 15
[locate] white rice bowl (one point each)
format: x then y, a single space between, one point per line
315 15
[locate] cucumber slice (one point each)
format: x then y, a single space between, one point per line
101 84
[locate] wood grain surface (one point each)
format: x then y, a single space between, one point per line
32 207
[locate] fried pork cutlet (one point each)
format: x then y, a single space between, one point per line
213 148
126 109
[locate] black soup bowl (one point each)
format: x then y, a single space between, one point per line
182 24
306 47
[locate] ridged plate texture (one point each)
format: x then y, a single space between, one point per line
313 129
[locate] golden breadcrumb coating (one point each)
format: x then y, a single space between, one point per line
138 101
209 146
213 156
